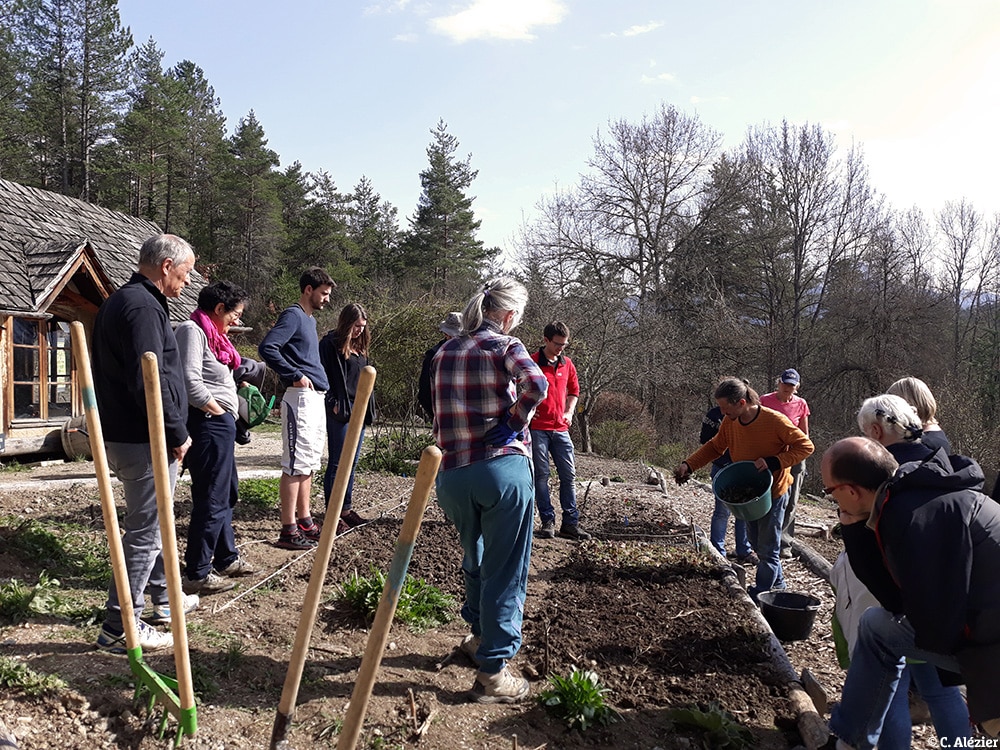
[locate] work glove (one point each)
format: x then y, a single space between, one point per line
502 433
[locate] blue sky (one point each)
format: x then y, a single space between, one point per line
355 87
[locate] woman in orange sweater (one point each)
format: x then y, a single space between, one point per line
751 432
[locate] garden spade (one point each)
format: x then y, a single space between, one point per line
158 687
165 511
430 459
286 706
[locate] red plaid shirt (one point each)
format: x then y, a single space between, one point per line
476 378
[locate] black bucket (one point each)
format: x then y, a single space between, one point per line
789 614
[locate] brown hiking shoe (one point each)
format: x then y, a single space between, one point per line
502 687
470 645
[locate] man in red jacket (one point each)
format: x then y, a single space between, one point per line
550 435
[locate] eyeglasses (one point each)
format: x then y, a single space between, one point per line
831 490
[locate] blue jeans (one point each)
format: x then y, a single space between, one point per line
490 504
877 665
545 443
335 434
948 710
765 538
720 520
214 491
132 463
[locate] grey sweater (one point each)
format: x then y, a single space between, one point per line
205 376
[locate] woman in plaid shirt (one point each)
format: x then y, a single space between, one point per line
485 389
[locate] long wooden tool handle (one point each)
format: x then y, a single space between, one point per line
165 510
101 468
307 619
430 459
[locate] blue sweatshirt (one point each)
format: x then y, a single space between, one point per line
291 349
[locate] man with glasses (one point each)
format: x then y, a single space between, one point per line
550 435
939 538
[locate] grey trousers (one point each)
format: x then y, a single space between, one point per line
132 463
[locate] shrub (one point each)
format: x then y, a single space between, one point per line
578 700
618 439
395 451
669 455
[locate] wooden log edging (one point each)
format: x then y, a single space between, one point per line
812 727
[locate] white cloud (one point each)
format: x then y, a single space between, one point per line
644 29
384 8
500 19
406 38
660 78
635 30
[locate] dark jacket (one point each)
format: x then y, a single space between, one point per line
343 374
940 537
709 427
424 388
863 549
132 321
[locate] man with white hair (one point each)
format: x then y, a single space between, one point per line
133 320
940 540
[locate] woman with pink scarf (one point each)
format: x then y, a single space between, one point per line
209 360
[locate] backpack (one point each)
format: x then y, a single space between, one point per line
253 407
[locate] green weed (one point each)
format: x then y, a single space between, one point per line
260 493
719 728
13 467
421 606
69 551
205 686
578 700
20 602
20 677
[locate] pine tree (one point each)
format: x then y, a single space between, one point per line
252 236
441 250
102 49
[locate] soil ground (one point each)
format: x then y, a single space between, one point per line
640 604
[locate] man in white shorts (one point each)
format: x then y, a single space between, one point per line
291 349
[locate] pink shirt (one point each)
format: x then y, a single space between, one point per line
796 409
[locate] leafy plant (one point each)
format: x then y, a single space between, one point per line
19 602
420 606
17 676
260 493
719 728
13 467
578 700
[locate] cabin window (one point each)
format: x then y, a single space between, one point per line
42 391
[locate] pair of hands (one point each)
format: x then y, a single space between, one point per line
683 472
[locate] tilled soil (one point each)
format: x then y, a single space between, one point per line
639 604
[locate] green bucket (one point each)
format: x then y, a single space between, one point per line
743 479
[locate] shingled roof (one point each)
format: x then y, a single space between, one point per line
42 233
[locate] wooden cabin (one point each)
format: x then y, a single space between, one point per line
60 258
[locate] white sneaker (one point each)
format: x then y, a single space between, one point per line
161 612
150 639
502 687
470 645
